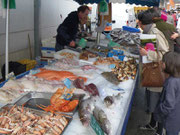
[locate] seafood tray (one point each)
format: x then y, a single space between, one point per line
10 98
32 99
100 50
66 53
21 120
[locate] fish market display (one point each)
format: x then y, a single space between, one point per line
9 95
32 83
92 89
66 63
125 38
18 120
68 55
79 83
111 77
88 67
106 61
100 50
57 75
62 88
60 101
85 55
125 70
101 117
109 100
85 111
40 80
12 85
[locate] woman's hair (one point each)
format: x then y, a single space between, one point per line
172 63
83 8
145 17
156 12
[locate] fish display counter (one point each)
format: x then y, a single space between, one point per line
110 100
117 115
96 92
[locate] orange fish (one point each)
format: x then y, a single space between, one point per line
57 75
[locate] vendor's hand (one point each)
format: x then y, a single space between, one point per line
72 44
142 51
174 35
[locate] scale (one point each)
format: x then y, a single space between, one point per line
103 9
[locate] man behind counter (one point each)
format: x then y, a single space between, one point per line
66 32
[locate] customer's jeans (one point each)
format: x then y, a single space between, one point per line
171 133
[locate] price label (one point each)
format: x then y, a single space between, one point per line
95 126
112 66
67 83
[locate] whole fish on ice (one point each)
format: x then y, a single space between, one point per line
85 111
101 117
109 100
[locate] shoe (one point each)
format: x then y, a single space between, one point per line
158 134
148 127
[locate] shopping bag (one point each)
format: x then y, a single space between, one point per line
152 75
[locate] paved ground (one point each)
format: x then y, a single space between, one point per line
138 115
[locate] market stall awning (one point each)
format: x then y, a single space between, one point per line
88 1
137 2
144 2
117 1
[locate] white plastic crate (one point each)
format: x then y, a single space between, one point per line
47 51
49 42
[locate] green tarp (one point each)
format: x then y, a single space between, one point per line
12 4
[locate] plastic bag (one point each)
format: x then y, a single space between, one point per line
103 6
113 44
82 43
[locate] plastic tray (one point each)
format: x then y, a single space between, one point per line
39 113
32 99
58 56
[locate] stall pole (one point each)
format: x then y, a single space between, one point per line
37 49
7 40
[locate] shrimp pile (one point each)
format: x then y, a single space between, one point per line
18 120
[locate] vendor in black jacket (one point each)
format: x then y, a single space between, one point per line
66 32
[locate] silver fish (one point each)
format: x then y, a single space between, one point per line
109 100
85 111
101 117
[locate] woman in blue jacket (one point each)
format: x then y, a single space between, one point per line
167 111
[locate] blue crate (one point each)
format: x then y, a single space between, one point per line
48 48
119 54
121 57
131 29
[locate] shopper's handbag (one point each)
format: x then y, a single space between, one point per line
152 74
